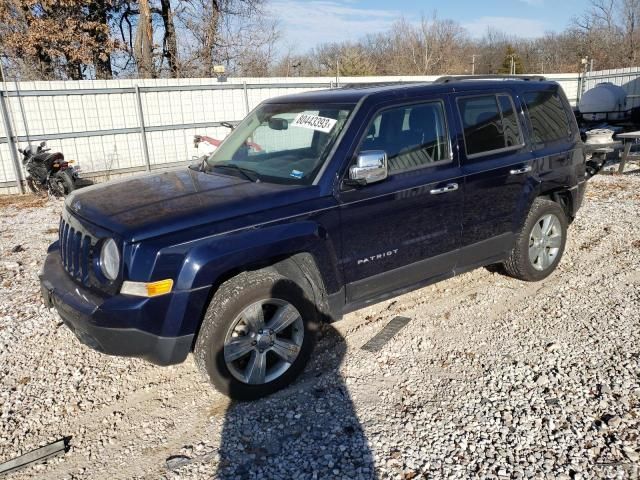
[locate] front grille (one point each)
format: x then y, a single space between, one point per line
75 251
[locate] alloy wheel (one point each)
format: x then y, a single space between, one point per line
545 242
263 342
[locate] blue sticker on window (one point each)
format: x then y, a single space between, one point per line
296 174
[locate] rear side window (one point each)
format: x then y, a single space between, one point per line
490 124
548 117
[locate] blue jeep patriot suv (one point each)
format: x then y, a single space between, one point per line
315 205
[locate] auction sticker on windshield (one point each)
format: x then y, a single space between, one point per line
314 122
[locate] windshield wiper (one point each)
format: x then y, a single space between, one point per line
247 173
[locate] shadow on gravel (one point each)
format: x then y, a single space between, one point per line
309 430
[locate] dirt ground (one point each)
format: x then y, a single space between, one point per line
492 377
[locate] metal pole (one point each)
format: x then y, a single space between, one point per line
580 86
246 97
24 115
12 142
12 117
143 133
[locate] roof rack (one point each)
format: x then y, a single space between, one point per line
378 84
525 78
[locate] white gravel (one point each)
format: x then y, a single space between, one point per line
492 378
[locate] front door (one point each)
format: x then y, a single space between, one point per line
403 230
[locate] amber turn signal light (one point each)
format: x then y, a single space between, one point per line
147 289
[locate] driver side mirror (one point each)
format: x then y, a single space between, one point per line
371 167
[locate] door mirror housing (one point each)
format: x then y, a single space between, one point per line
371 167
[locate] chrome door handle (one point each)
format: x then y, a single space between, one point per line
520 171
452 187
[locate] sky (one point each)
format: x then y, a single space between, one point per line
306 23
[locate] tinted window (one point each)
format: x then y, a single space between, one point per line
510 126
413 136
490 123
548 117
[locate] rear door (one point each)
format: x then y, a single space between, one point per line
403 230
496 164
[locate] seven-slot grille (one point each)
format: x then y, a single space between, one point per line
75 251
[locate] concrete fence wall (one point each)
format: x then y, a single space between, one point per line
115 127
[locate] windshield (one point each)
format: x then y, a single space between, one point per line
281 143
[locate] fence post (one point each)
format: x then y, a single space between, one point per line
246 97
143 133
580 86
22 112
13 151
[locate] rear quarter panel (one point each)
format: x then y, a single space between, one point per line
558 166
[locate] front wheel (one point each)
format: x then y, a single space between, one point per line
540 244
36 187
256 336
61 184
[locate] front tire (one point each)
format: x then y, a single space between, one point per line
256 336
36 187
540 244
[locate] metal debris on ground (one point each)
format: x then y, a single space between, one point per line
35 456
177 461
386 334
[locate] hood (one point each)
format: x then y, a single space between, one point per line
156 204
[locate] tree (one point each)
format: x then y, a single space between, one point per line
143 47
170 43
512 63
58 38
234 33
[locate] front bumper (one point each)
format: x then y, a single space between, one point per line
112 325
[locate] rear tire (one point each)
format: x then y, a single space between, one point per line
62 184
540 244
228 331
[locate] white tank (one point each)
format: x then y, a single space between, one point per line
604 97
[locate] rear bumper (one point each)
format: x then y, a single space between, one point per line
112 325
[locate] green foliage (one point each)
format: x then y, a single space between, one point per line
511 60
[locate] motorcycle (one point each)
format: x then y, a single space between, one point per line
49 172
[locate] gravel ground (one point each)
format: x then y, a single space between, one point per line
492 378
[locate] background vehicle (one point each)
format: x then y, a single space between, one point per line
49 172
356 195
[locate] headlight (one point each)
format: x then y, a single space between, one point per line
110 259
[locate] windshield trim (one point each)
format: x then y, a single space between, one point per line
339 139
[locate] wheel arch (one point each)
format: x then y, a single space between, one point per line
564 198
567 197
300 267
302 253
